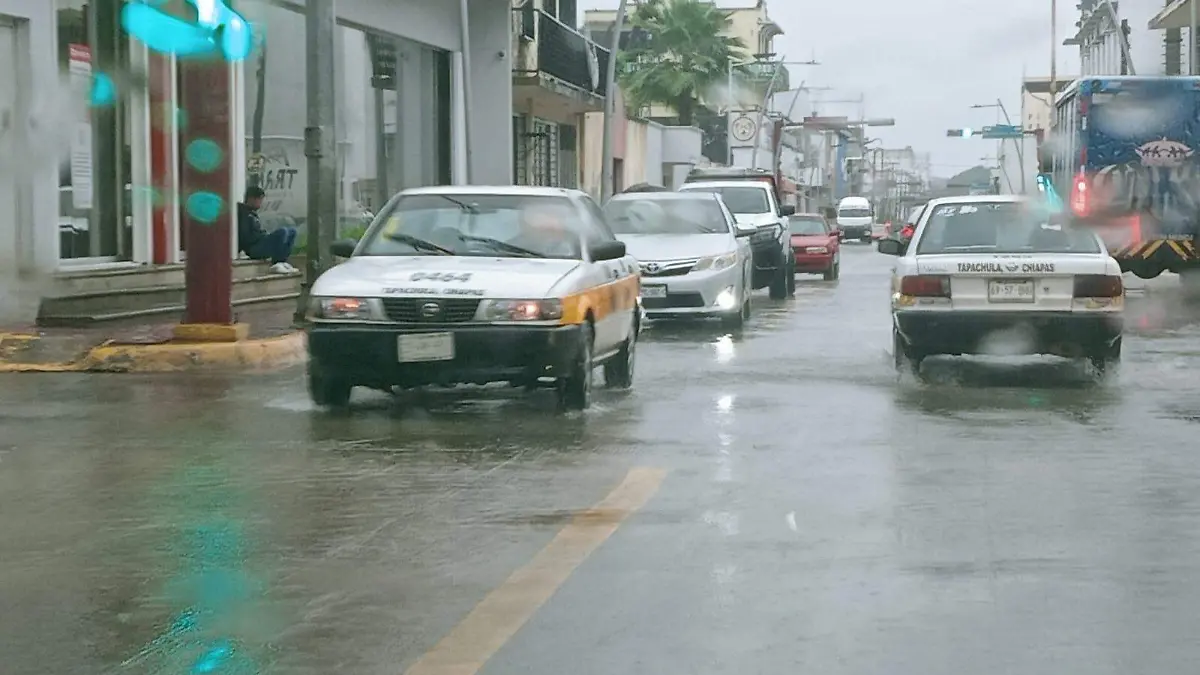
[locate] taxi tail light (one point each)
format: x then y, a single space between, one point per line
1098 286
926 286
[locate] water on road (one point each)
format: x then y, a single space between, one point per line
777 501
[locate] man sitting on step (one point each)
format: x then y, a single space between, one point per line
258 244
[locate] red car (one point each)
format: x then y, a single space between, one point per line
815 245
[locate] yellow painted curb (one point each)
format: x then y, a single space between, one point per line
268 354
245 355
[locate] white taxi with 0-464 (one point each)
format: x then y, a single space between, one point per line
472 285
994 274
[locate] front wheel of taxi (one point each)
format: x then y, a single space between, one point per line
618 372
326 389
575 389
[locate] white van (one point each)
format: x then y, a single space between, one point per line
854 218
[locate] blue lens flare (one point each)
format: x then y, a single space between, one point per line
218 30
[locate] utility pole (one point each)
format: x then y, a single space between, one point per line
320 143
466 88
607 177
1053 51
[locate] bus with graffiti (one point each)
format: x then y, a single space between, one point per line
1123 155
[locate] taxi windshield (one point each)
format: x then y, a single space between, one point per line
1000 227
462 224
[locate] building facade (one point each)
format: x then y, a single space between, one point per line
1156 31
557 78
97 187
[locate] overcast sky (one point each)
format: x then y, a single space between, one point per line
924 63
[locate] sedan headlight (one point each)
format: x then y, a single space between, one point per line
816 249
521 310
717 262
345 309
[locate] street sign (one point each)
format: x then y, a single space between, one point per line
1003 131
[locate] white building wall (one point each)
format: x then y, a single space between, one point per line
28 218
653 149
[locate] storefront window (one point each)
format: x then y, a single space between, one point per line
95 205
393 123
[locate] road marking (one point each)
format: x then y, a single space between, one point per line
498 617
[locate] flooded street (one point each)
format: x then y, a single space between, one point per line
777 502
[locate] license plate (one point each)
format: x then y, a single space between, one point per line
425 347
1010 291
654 291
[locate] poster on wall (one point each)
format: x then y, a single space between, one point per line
80 73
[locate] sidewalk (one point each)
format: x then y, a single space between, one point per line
149 347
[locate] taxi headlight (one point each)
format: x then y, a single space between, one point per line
718 262
345 309
521 310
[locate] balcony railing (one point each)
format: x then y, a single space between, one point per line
758 76
546 45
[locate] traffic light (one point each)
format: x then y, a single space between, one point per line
961 133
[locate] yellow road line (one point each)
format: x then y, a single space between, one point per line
498 617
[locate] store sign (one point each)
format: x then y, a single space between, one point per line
79 70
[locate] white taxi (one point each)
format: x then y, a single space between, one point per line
474 285
992 274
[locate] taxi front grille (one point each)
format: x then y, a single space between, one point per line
430 310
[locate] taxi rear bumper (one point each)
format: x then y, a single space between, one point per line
1069 334
369 355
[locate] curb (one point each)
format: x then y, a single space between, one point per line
246 355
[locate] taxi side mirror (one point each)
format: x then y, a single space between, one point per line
891 246
343 248
787 210
607 250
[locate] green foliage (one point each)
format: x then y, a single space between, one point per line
681 53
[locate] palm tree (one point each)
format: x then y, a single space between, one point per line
679 49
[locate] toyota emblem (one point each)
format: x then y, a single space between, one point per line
430 309
652 268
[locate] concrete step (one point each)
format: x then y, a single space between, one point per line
98 306
141 276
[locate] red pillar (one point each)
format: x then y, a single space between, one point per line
207 203
163 162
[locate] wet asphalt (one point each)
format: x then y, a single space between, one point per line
815 514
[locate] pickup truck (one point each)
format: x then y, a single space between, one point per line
753 197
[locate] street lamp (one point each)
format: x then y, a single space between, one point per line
1020 153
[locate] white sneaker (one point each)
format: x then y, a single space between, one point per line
282 268
291 268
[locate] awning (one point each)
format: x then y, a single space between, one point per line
1177 14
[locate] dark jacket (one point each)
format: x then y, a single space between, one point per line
250 228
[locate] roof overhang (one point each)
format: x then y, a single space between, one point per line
1177 14
1041 85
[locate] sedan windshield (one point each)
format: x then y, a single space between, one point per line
666 215
747 200
1000 227
808 226
528 226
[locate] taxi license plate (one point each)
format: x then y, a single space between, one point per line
654 291
1010 291
425 347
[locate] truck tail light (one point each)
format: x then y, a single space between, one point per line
925 286
1098 286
